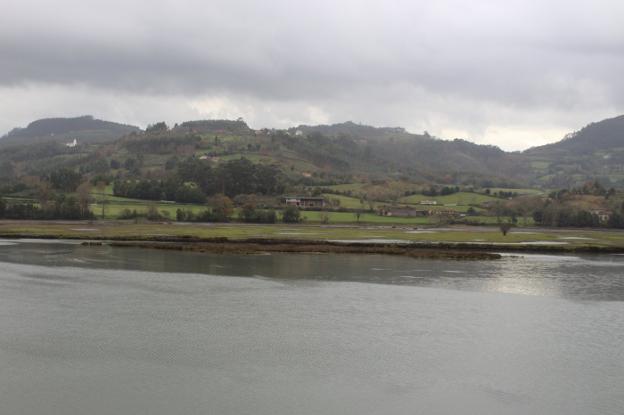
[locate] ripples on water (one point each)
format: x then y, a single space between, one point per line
99 330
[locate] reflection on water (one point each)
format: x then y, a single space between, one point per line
597 277
97 330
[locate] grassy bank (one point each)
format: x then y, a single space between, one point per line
248 246
482 237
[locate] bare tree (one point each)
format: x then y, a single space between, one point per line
84 197
505 227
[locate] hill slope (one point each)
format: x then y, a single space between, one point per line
421 155
594 152
324 154
603 135
84 128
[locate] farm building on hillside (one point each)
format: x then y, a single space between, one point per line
402 212
603 215
444 212
305 202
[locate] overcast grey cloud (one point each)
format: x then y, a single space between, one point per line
510 73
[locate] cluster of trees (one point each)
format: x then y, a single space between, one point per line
193 180
563 216
558 215
589 205
591 188
156 128
250 214
215 126
168 189
61 207
152 214
444 191
166 144
561 208
61 195
616 220
65 179
291 215
221 210
501 193
245 215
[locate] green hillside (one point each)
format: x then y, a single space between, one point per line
63 130
356 168
594 152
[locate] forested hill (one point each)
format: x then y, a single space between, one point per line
84 128
422 155
593 152
604 135
310 155
353 130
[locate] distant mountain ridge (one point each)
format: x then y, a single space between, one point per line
351 129
214 126
338 150
421 154
82 128
602 135
595 152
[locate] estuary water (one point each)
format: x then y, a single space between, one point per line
101 330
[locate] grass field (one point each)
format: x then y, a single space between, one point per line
114 208
493 220
298 164
115 205
346 201
459 202
353 187
540 165
350 218
128 230
459 199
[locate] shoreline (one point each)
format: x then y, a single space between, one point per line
249 247
268 242
449 242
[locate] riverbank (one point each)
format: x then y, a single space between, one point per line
319 247
317 238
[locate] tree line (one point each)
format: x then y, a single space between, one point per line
61 207
194 180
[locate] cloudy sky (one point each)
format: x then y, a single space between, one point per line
510 73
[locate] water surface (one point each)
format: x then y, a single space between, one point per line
100 330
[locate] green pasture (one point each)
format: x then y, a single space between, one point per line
351 218
113 208
347 201
460 199
145 231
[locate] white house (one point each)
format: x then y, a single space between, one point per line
72 144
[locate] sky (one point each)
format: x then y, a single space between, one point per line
509 73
